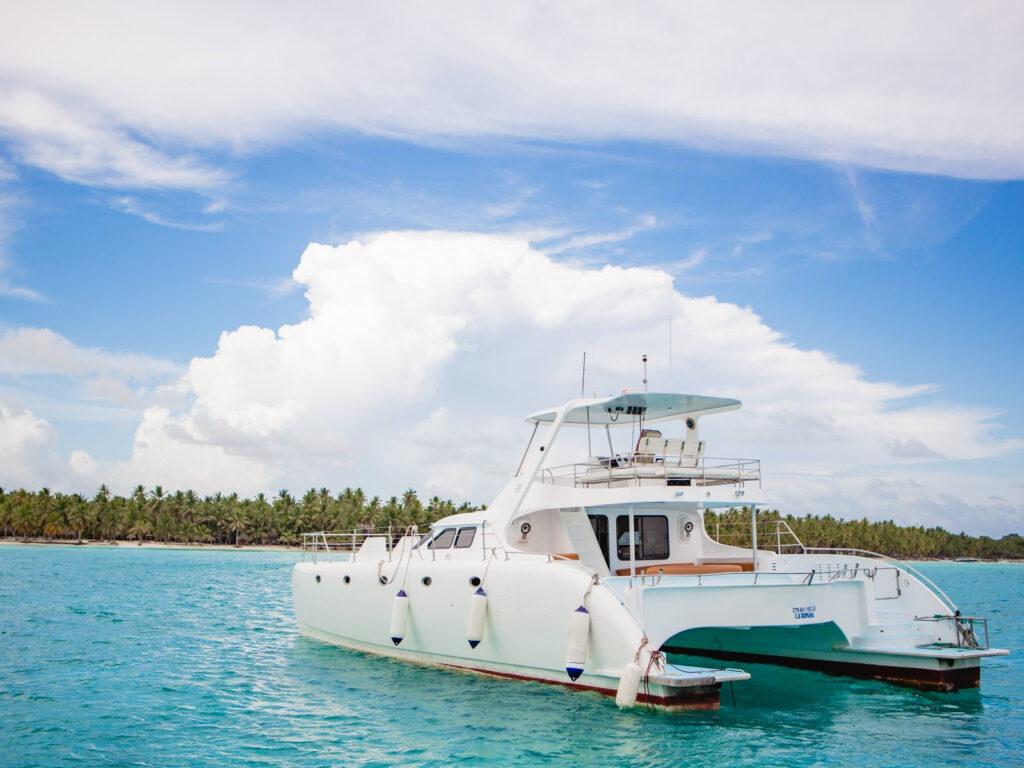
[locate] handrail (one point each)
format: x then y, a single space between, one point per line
828 575
352 541
621 468
766 532
885 558
964 627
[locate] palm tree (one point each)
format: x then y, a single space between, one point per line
78 515
237 522
139 530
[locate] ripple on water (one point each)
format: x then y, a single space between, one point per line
182 658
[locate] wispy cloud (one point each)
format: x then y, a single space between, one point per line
9 202
274 288
134 207
646 223
87 147
103 97
865 211
20 292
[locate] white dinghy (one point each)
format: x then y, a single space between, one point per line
587 574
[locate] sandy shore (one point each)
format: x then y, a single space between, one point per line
151 545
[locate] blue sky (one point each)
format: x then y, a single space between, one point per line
141 220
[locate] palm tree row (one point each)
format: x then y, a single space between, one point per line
184 516
887 538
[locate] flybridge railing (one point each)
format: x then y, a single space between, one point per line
614 471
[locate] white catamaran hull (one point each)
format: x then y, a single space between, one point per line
526 630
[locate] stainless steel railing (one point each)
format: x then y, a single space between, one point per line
628 469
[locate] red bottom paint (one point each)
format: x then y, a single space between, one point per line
927 679
698 697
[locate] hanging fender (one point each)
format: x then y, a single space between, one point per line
579 640
477 617
399 616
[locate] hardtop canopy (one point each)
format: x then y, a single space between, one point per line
620 409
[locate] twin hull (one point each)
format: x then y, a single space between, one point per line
526 629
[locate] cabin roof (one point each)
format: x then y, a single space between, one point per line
619 409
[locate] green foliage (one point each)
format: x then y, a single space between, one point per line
886 538
183 516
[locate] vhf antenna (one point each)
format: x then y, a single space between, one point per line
645 372
583 381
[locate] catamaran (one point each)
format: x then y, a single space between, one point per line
600 574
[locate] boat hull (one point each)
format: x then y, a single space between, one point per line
940 670
526 630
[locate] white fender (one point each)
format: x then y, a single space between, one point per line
579 638
477 615
399 616
629 685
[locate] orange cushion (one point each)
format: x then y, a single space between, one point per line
685 568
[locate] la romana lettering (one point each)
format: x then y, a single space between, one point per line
804 611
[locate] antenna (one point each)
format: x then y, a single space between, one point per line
670 385
645 372
583 381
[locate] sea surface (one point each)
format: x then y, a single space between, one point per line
127 656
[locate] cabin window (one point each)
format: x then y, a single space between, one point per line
443 540
600 525
464 539
650 537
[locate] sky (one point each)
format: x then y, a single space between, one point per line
247 247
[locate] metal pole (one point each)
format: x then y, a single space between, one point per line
533 434
753 532
590 450
632 548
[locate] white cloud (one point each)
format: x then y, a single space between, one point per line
27 458
41 352
422 351
88 147
134 207
20 292
97 92
644 223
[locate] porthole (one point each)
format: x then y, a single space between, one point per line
475 581
318 578
426 581
346 579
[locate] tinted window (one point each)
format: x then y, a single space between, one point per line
443 540
465 537
650 535
600 525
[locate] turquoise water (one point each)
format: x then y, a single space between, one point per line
123 656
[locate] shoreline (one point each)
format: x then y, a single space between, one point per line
297 548
154 545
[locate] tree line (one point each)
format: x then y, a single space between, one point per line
733 526
186 517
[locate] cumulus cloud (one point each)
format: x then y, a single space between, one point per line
27 457
96 92
422 351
